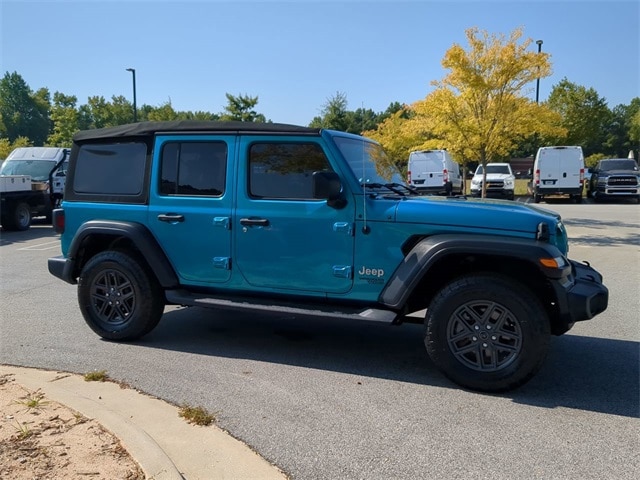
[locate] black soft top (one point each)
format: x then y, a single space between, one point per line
144 129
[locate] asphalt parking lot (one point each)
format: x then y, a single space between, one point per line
328 399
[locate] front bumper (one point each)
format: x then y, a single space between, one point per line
581 295
494 193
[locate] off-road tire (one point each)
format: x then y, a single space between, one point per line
120 299
487 332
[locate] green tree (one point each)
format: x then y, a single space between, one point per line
6 146
585 116
164 112
241 108
23 113
634 133
334 114
64 116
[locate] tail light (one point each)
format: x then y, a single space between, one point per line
445 176
409 176
536 178
58 220
581 175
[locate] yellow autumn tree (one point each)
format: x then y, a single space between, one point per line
480 110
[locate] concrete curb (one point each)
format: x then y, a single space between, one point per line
165 446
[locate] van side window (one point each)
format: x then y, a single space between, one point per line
284 170
193 168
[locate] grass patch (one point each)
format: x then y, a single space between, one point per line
96 376
23 430
33 400
196 415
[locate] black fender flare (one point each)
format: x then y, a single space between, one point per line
139 235
430 250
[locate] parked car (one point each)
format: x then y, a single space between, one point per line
282 218
501 182
614 178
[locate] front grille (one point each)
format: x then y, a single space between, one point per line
495 184
626 181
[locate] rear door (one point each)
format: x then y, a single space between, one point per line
560 167
428 169
190 205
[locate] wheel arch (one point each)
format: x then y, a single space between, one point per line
98 235
447 257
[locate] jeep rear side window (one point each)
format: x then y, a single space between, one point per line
284 170
111 169
193 168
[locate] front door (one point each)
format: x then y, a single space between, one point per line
285 238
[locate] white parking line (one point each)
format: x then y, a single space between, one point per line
43 246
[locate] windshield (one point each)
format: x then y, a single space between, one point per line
361 155
37 169
621 164
494 169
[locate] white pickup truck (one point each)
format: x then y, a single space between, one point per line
31 185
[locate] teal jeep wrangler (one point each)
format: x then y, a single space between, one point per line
273 217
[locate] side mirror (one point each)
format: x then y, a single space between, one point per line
327 185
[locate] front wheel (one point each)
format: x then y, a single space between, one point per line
120 299
486 332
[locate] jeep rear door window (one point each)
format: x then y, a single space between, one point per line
284 170
111 169
193 168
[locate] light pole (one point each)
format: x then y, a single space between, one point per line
539 43
135 110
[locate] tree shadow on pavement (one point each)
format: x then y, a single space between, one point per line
594 374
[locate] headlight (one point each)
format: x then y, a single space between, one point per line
476 181
508 182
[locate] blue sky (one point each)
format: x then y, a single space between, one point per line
295 55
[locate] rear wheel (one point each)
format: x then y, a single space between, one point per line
486 332
18 218
119 298
537 198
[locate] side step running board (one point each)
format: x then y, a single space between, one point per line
182 297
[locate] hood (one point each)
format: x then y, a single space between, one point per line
480 216
620 172
494 176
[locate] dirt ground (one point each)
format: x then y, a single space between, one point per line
41 439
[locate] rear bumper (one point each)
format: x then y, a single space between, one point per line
542 191
62 268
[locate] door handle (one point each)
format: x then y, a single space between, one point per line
171 217
254 222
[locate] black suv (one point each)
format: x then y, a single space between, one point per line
614 178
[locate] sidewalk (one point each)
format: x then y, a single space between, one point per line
165 445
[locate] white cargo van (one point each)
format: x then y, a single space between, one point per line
558 171
434 171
